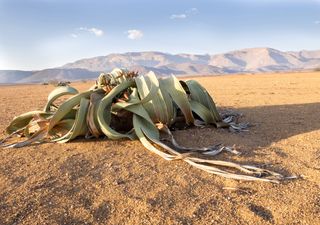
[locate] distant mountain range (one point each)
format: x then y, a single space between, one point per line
253 60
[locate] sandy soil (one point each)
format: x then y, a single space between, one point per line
120 182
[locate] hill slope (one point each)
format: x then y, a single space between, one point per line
246 60
59 74
12 76
253 60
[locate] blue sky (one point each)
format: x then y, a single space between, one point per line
37 34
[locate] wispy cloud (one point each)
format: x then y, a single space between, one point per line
134 34
178 16
317 22
97 32
192 11
74 35
187 13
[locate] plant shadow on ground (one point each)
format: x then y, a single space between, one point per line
271 124
278 122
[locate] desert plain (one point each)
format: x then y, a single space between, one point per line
120 182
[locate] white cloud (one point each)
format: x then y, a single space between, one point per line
134 34
192 11
74 35
317 22
178 16
96 31
93 30
187 13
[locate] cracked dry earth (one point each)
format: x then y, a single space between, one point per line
120 182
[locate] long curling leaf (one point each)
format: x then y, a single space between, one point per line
171 110
57 93
202 111
23 120
141 127
105 117
79 127
158 101
178 95
200 94
92 120
66 107
144 90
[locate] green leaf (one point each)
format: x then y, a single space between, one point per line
79 127
23 120
200 94
172 86
66 107
104 112
57 93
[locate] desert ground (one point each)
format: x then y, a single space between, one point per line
121 182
